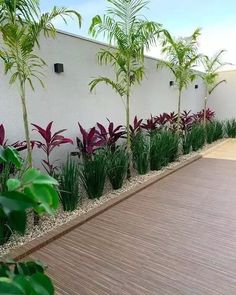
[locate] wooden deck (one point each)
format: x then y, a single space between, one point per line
177 237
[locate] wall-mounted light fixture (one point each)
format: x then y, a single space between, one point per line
58 68
171 83
196 86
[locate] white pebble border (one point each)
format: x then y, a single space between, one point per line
48 223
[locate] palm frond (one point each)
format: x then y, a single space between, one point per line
115 86
216 85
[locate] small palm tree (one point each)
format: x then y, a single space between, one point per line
21 24
130 34
181 56
210 76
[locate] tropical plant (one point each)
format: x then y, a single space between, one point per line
91 141
130 33
33 190
230 128
219 130
93 174
187 119
187 142
111 135
117 166
210 132
69 185
48 145
163 149
180 58
19 146
208 115
150 125
198 136
26 277
21 24
210 76
9 161
141 152
136 127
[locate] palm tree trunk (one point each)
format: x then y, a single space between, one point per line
27 136
205 109
128 122
26 124
179 112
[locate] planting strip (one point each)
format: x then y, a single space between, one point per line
38 243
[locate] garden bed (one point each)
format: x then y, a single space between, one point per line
51 228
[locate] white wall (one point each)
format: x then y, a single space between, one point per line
223 99
66 98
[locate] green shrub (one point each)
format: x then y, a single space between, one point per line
210 132
5 230
219 130
69 185
173 147
93 174
187 142
163 149
141 153
198 136
230 128
117 166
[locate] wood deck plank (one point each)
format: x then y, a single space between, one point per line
176 237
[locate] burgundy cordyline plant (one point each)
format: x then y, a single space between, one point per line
199 117
49 143
150 125
137 126
186 121
111 135
19 146
90 142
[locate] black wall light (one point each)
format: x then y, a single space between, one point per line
171 83
196 86
58 68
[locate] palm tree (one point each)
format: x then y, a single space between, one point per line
21 23
181 56
210 76
130 34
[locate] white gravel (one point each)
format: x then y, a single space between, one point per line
48 223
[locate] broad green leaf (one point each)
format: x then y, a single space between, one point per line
41 284
15 201
13 156
13 184
23 283
17 221
4 269
7 287
29 267
45 197
45 179
2 155
30 175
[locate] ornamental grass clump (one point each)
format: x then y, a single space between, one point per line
187 142
117 166
198 136
163 149
219 130
93 174
230 128
210 132
141 153
69 185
